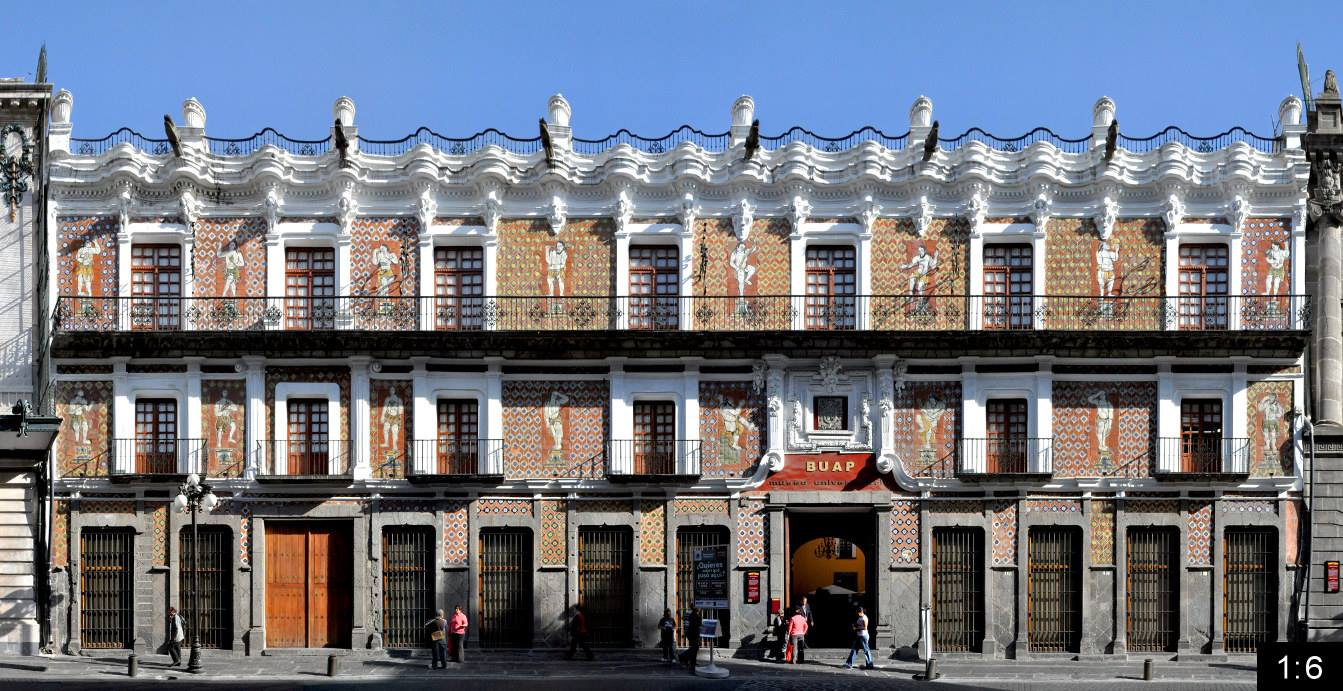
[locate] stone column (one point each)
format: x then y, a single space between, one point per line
1328 306
256 415
361 422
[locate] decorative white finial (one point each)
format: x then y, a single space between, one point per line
60 107
343 110
689 212
272 204
743 111
624 210
559 214
346 207
923 216
743 219
921 113
559 111
1105 222
1240 212
426 207
193 113
491 210
1103 113
1040 212
798 212
869 214
976 209
1174 212
1289 111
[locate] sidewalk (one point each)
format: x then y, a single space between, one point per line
506 667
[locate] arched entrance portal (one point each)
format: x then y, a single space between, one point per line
832 562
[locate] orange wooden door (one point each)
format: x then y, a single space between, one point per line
286 586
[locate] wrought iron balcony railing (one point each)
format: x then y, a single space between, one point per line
1203 454
157 456
466 456
639 457
687 312
1005 456
303 457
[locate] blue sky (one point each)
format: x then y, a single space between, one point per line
459 67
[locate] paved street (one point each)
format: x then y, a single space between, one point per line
614 670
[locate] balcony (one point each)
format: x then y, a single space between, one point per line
165 460
638 460
467 459
911 313
1203 457
304 460
1005 458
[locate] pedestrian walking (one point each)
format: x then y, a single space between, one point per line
667 632
176 634
806 612
693 623
457 634
860 635
438 640
578 634
797 636
779 627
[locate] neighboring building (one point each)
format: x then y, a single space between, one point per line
25 436
981 389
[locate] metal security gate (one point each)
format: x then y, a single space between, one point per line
106 588
505 588
407 585
687 539
216 589
1054 591
958 589
1250 589
604 559
1153 589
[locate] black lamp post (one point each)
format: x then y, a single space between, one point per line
195 496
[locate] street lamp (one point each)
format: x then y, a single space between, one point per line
195 496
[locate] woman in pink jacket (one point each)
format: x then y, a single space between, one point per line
457 633
797 635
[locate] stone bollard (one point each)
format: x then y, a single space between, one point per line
132 665
331 665
1147 669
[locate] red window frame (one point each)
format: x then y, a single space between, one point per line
156 287
654 287
310 288
459 287
1205 283
831 287
654 437
1008 439
1009 275
1201 428
155 436
309 441
458 436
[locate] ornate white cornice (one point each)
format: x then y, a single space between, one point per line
347 209
923 216
624 211
491 210
976 209
869 214
1239 213
798 212
272 205
688 212
1105 220
743 218
426 208
1040 211
558 214
1174 212
189 207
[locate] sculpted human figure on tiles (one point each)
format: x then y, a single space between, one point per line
233 263
1276 256
385 260
557 258
226 420
740 263
923 264
84 267
393 409
1106 258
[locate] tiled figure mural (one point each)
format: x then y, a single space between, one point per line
752 533
1126 266
1198 517
577 261
455 533
390 412
741 284
1102 532
229 258
83 445
911 273
1269 407
280 375
554 428
731 427
87 253
1104 428
653 533
1265 257
1004 532
384 258
927 425
224 424
905 536
554 529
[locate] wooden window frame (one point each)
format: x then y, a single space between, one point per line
459 287
835 306
1013 307
156 288
308 304
458 447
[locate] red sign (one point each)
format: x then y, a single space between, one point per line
836 472
774 605
1330 576
752 587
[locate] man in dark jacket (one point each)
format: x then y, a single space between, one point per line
578 634
176 634
438 640
693 625
667 632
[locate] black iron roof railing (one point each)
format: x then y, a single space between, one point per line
712 142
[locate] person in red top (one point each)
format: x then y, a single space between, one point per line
578 634
797 635
457 633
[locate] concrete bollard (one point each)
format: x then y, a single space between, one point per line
331 665
930 671
132 665
1147 669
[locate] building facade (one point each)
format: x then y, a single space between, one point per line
980 386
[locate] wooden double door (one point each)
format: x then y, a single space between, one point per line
309 573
